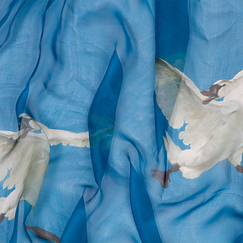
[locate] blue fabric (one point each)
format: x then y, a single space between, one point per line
19 231
76 229
142 210
89 66
102 118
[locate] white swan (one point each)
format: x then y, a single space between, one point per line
214 129
26 155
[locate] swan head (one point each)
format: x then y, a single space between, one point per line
218 90
226 87
27 124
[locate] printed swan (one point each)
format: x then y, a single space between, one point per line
214 129
24 155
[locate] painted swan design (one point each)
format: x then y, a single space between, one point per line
24 156
208 122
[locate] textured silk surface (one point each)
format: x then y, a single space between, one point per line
89 66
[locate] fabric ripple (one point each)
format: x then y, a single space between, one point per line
121 121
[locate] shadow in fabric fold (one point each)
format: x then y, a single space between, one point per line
102 117
142 210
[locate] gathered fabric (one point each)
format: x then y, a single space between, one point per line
121 121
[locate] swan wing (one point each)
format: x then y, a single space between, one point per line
23 164
27 158
56 136
63 137
167 86
8 141
169 81
181 102
239 75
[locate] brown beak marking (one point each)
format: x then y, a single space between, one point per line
26 126
212 93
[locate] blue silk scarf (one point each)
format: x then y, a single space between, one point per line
100 143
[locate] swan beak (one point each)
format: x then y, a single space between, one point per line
25 132
26 126
212 93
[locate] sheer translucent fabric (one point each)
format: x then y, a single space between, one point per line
121 121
